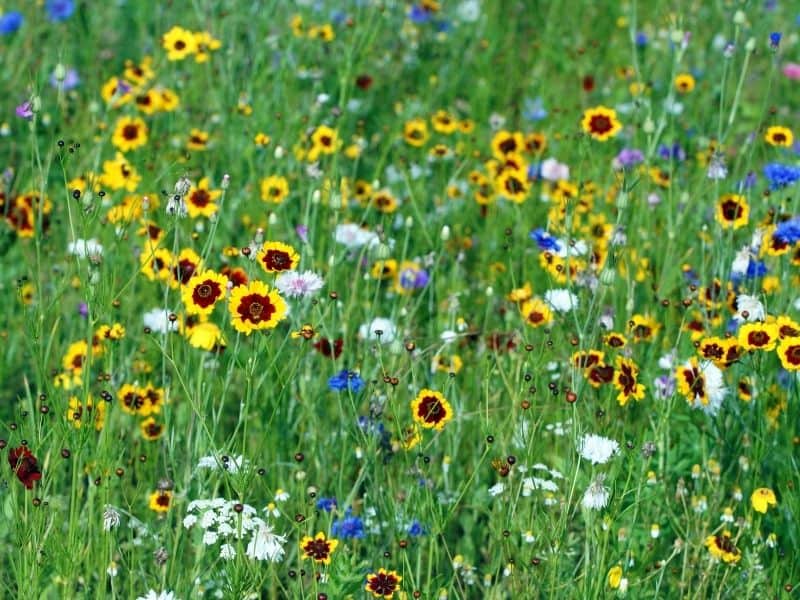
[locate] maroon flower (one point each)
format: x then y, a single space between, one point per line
329 349
25 465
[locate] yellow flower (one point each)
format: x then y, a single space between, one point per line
262 139
79 412
779 136
762 499
160 501
179 43
536 312
431 410
206 336
758 336
119 174
614 577
151 429
444 122
203 291
274 189
275 257
732 211
684 83
506 142
201 201
198 140
324 140
318 548
601 123
205 43
789 353
723 548
513 185
129 134
255 306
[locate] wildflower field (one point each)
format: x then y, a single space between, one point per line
379 299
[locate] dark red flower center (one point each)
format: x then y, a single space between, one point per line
317 549
130 132
255 308
431 410
383 584
205 294
277 260
200 198
600 124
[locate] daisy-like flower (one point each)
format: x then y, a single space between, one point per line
85 248
762 499
789 353
154 595
733 211
758 336
266 545
275 257
130 133
318 548
507 142
748 308
203 291
513 185
384 201
626 380
255 306
324 140
684 83
160 501
779 136
353 237
431 410
179 43
119 174
274 189
205 43
562 301
601 123
597 495
383 583
597 449
299 285
702 385
151 429
79 412
536 312
723 548
198 140
201 201
415 132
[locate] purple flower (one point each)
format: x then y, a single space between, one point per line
665 387
413 278
774 40
418 14
349 527
83 309
788 232
346 380
25 110
70 80
302 233
781 176
629 157
59 10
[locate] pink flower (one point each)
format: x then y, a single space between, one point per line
792 71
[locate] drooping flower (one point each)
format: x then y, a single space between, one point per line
762 499
25 466
723 548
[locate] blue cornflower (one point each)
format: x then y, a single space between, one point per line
774 40
544 240
674 152
11 22
781 176
59 10
344 380
413 278
416 529
533 109
326 504
348 527
641 39
417 14
788 232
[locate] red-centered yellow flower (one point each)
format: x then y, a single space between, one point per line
119 174
415 132
201 201
151 429
160 501
274 189
384 201
758 336
513 185
275 257
384 269
255 306
203 291
155 263
762 499
198 140
601 123
179 43
789 353
184 267
684 83
779 136
447 364
626 380
324 140
431 410
75 357
205 43
318 548
383 583
507 142
721 351
723 548
732 211
536 312
130 133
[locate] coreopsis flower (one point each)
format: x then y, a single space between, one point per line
151 429
119 174
274 189
722 547
255 306
789 353
431 410
758 336
597 449
626 380
383 583
779 136
536 312
507 142
179 43
601 123
198 140
275 257
762 499
130 133
160 501
205 43
733 211
202 292
684 83
201 201
324 140
80 412
702 384
415 132
319 548
25 465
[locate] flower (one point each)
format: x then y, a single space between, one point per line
383 583
274 189
597 449
25 465
266 545
780 175
160 501
275 257
299 285
179 43
788 231
353 237
255 306
201 201
626 380
789 353
536 312
601 123
10 22
702 384
562 301
129 133
158 320
684 83
415 132
346 380
324 140
614 577
85 248
762 499
779 136
203 291
380 329
25 110
431 410
198 140
348 527
722 547
119 174
318 548
758 336
151 429
59 10
748 308
597 495
154 595
110 518
732 211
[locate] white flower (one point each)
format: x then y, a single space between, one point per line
597 449
299 285
153 595
189 521
561 300
266 545
353 236
232 464
110 518
596 495
387 329
528 537
741 261
227 552
157 320
210 538
497 488
751 306
85 248
529 484
469 11
112 569
281 495
714 388
552 170
448 336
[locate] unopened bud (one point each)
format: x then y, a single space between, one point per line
750 45
445 234
226 181
739 18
